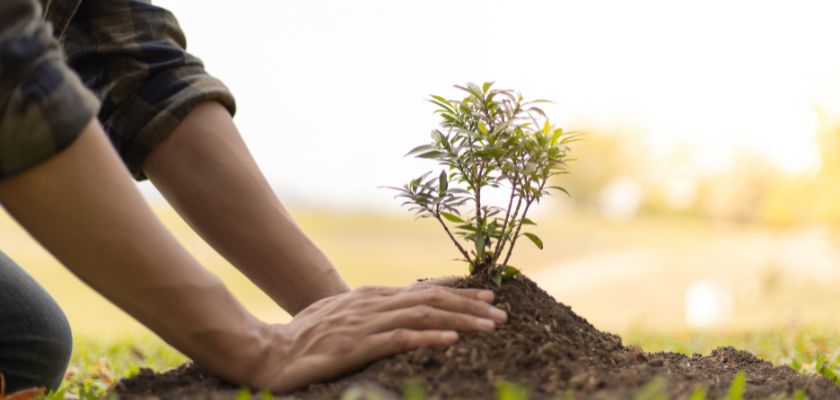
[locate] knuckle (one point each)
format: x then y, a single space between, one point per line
423 311
352 320
435 294
401 338
366 289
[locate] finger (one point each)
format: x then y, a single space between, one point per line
423 317
319 367
442 299
486 296
398 340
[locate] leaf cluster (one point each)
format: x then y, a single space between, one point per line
491 139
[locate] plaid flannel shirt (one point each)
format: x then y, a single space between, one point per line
62 62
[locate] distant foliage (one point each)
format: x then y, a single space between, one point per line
490 139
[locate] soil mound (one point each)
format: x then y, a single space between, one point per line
544 346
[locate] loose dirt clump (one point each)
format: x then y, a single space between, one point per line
544 346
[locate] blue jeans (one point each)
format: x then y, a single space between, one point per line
35 340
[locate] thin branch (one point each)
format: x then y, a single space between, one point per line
479 253
516 235
519 227
448 232
513 221
497 252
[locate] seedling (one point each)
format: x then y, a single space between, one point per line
489 140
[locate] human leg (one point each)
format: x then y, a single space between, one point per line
35 338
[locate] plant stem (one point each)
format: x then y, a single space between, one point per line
513 221
516 234
448 232
479 252
519 227
497 252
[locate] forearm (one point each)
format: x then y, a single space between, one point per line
205 171
83 207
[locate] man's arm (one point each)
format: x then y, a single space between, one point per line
83 207
205 171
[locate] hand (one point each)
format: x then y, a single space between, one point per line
340 333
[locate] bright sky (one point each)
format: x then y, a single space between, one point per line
331 93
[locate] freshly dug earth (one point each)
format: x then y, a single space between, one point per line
544 346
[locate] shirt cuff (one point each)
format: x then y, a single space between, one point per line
43 104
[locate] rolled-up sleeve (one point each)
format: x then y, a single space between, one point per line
43 104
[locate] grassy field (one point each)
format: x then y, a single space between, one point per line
629 278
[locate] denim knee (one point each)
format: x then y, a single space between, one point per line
35 337
55 345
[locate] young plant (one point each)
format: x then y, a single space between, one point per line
489 140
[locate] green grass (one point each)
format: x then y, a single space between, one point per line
807 350
98 362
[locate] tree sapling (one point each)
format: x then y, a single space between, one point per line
489 140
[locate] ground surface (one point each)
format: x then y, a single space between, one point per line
545 347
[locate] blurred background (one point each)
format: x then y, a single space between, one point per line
705 197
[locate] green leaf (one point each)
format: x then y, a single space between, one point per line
497 278
431 154
509 271
796 365
824 370
799 394
415 391
698 394
443 182
452 217
571 139
526 221
653 390
560 189
243 394
534 238
482 127
556 136
443 106
474 89
486 86
467 227
418 149
736 389
511 391
440 99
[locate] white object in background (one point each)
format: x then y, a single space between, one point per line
707 305
620 199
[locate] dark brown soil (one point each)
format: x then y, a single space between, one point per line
544 346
